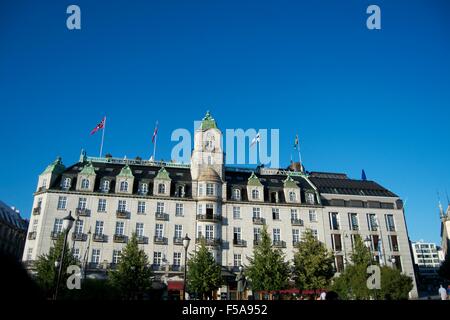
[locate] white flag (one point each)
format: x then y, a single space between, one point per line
256 139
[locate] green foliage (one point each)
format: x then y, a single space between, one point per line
132 278
313 263
394 284
204 274
361 254
267 268
46 272
95 289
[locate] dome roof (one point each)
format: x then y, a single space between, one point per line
208 174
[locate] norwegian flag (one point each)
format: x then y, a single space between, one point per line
155 132
101 125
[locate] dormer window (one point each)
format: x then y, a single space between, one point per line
124 186
310 198
161 188
85 183
292 196
236 194
105 186
66 183
144 188
255 194
209 189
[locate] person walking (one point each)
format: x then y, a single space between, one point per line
442 292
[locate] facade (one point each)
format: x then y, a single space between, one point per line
227 206
13 231
428 258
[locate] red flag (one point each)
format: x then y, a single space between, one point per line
99 126
155 132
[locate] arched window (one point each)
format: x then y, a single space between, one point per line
292 196
255 194
161 188
236 194
124 186
85 183
66 183
105 185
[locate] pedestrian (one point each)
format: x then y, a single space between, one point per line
323 295
442 292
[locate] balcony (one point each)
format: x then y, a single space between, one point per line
176 268
259 220
178 241
209 217
32 235
122 214
83 212
119 238
42 189
391 228
37 211
239 243
297 222
159 240
295 242
79 236
99 237
279 244
162 216
142 240
55 234
256 242
209 241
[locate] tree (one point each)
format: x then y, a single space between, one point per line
204 273
313 263
132 278
267 269
394 284
46 272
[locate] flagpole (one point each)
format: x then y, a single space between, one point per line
154 145
103 137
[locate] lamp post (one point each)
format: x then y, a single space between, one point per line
186 242
367 243
67 225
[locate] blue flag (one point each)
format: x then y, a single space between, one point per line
363 175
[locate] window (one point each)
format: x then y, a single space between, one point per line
161 188
44 183
139 229
353 219
35 225
144 188
209 209
122 207
310 198
57 226
393 243
209 189
116 256
66 183
177 259
82 203
390 225
179 209
124 186
62 203
39 203
157 258
101 205
237 261
160 207
76 254
294 214
78 226
200 189
85 183
199 231
334 221
236 233
256 212
276 235
141 207
30 254
200 209
256 234
99 227
292 196
315 233
236 212
375 242
255 194
339 263
209 232
312 216
336 242
372 222
236 194
105 186
119 228
178 231
275 214
295 236
95 256
159 230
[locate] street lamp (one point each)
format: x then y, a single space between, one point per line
393 261
186 242
67 225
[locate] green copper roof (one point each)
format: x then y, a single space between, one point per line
126 172
162 174
88 169
55 167
290 183
208 122
254 181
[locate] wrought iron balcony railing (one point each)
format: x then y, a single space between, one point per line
259 220
209 241
32 235
55 234
37 211
83 212
119 238
239 243
209 217
99 237
161 216
279 244
297 222
142 240
159 240
122 214
79 236
178 240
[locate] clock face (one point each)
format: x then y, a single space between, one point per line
209 142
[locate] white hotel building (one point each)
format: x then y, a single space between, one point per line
164 201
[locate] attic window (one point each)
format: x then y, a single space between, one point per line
138 171
151 172
180 174
240 178
274 180
109 169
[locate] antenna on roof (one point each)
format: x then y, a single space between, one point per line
441 210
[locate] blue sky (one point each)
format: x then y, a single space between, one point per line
377 100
